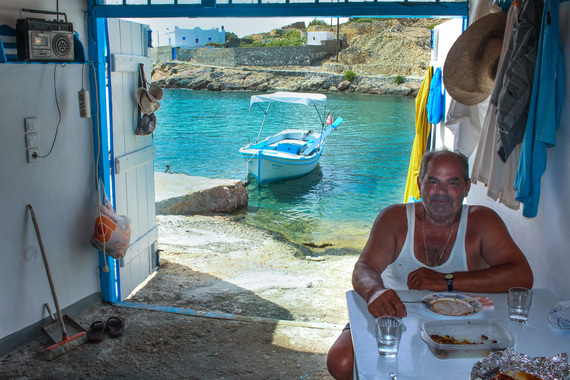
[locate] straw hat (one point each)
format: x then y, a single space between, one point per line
471 64
155 92
147 101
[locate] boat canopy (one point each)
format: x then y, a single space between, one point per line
290 97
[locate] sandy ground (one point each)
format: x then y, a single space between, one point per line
261 308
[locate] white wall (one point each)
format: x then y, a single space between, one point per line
445 35
187 37
60 187
315 38
545 239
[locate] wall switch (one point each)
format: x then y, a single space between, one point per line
31 124
32 140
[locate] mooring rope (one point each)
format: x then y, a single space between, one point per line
236 168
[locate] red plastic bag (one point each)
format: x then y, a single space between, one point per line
112 232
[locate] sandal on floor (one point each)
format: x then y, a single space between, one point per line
115 326
96 331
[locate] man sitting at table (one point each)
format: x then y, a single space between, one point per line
448 247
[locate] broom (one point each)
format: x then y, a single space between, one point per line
67 343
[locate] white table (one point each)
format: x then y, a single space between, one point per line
416 361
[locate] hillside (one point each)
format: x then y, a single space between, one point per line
381 46
379 51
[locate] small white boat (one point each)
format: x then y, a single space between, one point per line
292 152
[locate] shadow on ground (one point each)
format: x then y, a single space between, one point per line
163 345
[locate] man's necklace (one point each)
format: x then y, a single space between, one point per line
438 262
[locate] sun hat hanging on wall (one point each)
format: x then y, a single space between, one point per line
471 64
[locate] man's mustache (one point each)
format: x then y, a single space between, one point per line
441 198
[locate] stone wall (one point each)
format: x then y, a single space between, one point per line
213 57
161 54
255 56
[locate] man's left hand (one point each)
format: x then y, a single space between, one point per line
427 279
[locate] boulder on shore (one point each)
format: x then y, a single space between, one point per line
181 194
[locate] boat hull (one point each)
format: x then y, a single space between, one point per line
271 165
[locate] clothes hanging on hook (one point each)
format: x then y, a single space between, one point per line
514 98
544 111
487 167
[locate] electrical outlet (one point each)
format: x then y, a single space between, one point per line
33 155
84 103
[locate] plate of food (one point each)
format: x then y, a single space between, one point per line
451 304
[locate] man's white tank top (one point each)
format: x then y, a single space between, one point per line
395 276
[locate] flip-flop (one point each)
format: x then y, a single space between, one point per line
96 331
115 326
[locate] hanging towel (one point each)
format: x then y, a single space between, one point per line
544 110
436 99
421 139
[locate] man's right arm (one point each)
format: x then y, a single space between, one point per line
379 252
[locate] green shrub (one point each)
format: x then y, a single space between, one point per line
431 26
290 38
318 22
349 75
213 44
399 79
360 19
230 35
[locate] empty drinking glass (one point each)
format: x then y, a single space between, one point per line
520 300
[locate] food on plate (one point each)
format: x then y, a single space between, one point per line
446 339
515 375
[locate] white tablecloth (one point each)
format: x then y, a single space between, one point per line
416 361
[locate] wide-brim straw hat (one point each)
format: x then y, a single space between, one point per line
471 64
155 92
146 102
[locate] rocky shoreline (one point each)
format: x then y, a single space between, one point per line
186 75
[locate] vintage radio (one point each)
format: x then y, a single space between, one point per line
41 40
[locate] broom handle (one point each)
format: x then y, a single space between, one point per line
48 272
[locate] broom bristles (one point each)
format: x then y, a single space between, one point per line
67 344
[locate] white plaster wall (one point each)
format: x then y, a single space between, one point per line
60 187
545 239
447 33
315 38
190 35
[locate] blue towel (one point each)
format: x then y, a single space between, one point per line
436 100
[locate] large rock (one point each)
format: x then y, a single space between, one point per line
180 194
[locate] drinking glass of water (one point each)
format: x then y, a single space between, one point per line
388 334
520 300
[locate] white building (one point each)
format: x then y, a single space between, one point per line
191 38
315 38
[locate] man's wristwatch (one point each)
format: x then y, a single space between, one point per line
449 279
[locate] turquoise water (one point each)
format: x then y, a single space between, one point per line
362 170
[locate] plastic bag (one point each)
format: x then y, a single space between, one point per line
112 232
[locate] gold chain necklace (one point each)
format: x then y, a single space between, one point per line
438 263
